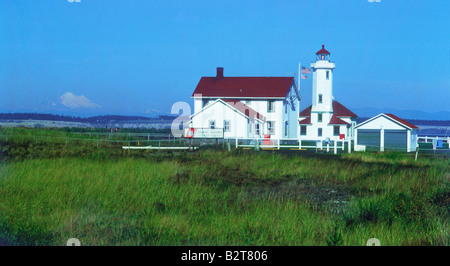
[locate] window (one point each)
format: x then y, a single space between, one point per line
336 131
204 102
303 130
319 132
257 129
226 125
328 74
320 98
270 106
286 128
270 128
285 107
212 124
319 117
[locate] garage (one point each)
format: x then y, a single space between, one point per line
370 138
395 139
385 132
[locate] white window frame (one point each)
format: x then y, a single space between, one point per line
306 130
338 129
271 129
270 106
225 125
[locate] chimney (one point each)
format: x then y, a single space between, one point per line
219 73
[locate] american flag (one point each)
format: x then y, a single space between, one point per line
304 76
306 70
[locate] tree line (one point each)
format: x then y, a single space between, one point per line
93 119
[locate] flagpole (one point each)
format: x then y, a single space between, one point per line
299 76
298 110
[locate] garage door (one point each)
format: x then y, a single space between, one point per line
369 138
395 140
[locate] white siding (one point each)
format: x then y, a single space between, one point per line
219 112
277 116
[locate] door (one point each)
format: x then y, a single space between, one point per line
395 140
369 138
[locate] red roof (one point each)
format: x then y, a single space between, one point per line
306 121
245 109
244 87
401 121
306 112
323 51
338 110
337 121
342 111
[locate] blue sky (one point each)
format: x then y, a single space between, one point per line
139 57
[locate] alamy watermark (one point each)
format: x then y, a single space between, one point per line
373 242
73 242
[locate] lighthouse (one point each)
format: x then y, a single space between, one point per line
322 101
325 118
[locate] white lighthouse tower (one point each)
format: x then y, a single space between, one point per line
322 89
322 100
325 118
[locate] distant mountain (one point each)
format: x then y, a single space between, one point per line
109 121
404 114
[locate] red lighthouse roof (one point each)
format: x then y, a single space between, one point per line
323 51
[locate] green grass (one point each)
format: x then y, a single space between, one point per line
115 197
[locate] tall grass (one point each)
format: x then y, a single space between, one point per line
222 198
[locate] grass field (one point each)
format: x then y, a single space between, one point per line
108 196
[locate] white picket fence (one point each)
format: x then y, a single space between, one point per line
293 144
434 141
431 139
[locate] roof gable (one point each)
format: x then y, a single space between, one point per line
244 87
401 121
389 117
242 108
245 109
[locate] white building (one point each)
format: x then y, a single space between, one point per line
386 132
247 107
325 118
